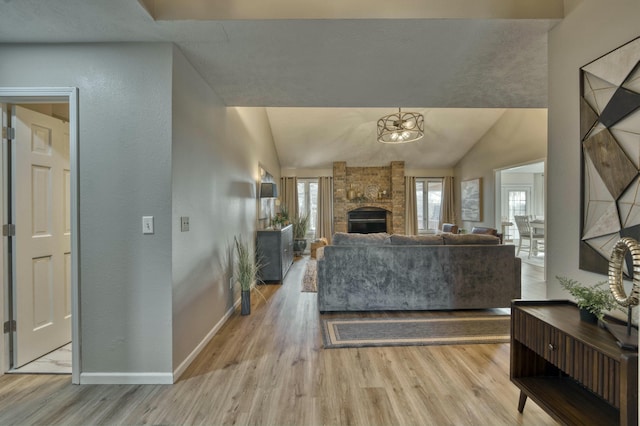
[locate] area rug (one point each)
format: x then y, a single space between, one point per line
309 283
362 332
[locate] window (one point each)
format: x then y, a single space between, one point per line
428 202
517 205
308 201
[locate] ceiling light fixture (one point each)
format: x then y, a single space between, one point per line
401 127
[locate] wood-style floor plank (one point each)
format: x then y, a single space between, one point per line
270 369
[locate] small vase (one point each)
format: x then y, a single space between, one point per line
245 302
587 316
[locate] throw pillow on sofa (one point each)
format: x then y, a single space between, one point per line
347 239
469 239
416 240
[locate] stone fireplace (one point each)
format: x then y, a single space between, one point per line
362 190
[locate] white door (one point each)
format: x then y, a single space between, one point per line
41 248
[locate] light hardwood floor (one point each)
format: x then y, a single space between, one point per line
270 369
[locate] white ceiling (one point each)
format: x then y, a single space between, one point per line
337 69
333 134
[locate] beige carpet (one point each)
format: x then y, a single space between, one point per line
436 330
309 278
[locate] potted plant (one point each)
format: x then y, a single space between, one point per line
593 301
300 227
247 273
281 218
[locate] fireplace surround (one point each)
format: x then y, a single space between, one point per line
377 186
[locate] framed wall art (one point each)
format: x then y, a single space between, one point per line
471 199
610 145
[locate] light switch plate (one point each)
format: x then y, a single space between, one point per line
184 223
147 224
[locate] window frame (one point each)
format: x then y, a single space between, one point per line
425 204
307 201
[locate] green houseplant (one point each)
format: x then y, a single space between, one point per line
281 219
300 227
247 270
593 299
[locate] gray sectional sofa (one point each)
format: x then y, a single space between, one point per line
370 272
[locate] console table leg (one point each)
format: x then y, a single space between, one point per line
521 402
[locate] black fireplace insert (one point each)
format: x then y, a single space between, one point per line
367 220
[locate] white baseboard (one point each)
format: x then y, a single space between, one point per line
196 351
155 378
126 378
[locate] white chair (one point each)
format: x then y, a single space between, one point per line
527 233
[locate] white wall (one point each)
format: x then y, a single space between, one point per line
306 173
518 137
591 30
429 172
215 156
125 173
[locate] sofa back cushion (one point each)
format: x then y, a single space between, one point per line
349 239
416 240
469 239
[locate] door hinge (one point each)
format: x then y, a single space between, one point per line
9 230
9 326
8 133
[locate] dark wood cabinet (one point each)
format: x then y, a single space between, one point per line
574 370
274 250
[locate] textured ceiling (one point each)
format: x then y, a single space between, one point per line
326 63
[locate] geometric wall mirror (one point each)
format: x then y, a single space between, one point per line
610 145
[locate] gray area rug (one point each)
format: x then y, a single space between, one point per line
444 330
309 282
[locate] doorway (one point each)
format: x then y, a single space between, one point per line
521 192
50 300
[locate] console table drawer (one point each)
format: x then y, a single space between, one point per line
543 339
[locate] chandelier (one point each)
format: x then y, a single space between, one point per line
401 127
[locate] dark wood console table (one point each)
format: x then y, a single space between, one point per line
573 370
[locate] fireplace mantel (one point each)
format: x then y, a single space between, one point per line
384 204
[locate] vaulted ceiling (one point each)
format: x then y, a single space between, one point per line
327 70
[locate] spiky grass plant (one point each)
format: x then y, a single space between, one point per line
246 264
300 226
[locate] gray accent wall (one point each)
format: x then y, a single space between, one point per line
154 140
216 152
592 29
125 173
